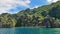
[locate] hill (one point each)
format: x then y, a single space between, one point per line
47 16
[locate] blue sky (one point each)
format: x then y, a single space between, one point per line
37 3
14 6
33 4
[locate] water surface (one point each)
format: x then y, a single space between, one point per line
29 30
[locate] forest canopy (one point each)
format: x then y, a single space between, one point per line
47 16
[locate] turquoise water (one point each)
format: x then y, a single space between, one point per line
29 30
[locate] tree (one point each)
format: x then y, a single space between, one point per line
55 12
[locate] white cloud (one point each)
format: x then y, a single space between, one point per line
6 5
34 7
52 1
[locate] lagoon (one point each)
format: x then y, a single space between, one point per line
19 30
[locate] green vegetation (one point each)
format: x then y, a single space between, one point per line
44 16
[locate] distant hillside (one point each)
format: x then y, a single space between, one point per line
40 10
48 15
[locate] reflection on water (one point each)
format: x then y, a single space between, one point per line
29 30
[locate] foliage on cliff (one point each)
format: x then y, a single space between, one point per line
48 15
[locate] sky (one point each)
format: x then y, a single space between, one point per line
14 6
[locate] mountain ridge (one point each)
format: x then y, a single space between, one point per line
48 14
